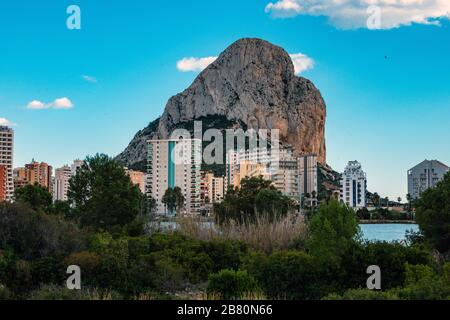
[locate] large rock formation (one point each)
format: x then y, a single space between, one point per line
253 82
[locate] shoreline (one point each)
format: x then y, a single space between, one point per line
387 222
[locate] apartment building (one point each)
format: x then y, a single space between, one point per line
6 161
174 163
425 175
307 178
353 190
61 183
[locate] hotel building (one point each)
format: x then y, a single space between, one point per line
424 176
6 162
353 190
174 163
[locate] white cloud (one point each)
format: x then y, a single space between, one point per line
284 8
194 64
89 78
61 103
36 105
349 14
6 122
302 62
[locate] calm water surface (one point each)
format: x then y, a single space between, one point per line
386 232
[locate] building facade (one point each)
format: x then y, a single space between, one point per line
61 183
137 178
20 177
425 175
3 181
6 161
278 166
353 190
174 163
214 188
39 173
307 179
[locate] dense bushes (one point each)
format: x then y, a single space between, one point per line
421 283
231 284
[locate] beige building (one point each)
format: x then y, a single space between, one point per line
39 173
213 188
137 178
20 178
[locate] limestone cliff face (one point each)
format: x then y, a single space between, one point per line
254 82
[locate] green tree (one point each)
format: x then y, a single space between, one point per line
254 197
37 197
376 199
433 214
333 228
103 195
174 200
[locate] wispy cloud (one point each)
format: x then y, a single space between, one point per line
89 78
301 63
6 122
60 103
350 14
194 64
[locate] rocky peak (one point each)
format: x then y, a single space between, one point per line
252 81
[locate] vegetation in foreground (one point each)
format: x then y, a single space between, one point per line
269 255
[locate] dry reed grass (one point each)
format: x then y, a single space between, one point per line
263 234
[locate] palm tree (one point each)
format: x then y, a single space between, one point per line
376 200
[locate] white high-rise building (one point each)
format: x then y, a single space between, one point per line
354 186
6 161
307 178
424 176
61 183
175 163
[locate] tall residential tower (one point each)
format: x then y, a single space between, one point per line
354 186
6 163
175 163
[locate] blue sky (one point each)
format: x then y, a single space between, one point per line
387 113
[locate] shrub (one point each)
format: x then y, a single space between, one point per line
52 292
362 294
5 294
231 284
287 275
433 216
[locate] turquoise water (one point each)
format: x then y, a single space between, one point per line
386 232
